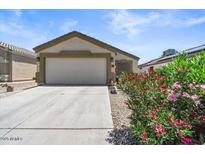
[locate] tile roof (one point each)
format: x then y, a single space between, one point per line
17 50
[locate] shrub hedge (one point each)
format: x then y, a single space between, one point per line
168 104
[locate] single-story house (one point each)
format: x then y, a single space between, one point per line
76 58
167 58
16 64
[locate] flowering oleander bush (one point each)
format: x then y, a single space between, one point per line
184 68
163 111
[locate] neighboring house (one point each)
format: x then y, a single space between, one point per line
163 60
16 64
168 57
76 58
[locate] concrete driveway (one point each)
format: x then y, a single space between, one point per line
56 115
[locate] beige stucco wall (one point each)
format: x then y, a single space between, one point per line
134 61
79 44
23 68
146 68
75 44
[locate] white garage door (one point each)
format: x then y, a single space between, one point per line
76 71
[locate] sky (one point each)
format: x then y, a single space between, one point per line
144 33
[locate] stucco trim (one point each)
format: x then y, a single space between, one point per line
83 37
43 56
77 52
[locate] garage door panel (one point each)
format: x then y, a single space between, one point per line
76 71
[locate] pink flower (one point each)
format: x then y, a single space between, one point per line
202 118
181 133
181 123
195 97
197 103
185 94
186 140
191 85
171 97
153 117
189 126
159 129
170 120
177 124
177 94
202 87
143 137
145 115
176 85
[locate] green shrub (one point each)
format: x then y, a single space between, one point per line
186 69
167 104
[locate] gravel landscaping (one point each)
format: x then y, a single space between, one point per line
121 134
120 111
